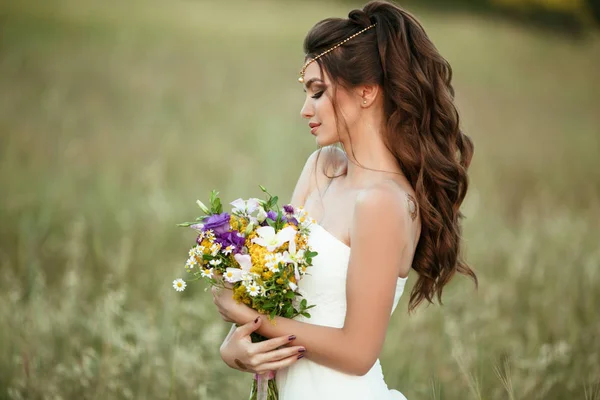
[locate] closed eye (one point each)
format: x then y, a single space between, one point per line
317 95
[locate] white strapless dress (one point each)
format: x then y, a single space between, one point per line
325 285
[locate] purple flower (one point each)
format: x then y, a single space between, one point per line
232 238
291 220
272 215
288 209
219 223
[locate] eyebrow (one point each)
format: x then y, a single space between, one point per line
311 81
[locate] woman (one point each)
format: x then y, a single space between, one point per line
375 83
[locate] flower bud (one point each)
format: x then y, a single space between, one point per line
203 207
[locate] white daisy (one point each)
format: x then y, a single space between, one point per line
179 284
191 262
231 275
215 262
207 272
253 289
214 249
227 250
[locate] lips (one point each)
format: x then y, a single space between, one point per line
313 127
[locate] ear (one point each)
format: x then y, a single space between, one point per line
367 94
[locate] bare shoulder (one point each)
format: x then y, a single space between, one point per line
329 160
386 203
320 165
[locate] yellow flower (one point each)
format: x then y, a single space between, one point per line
233 222
257 254
206 245
239 293
267 275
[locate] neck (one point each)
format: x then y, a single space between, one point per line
368 157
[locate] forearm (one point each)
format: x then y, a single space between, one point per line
331 347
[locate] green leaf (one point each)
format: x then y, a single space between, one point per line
303 303
273 313
269 304
290 295
304 313
289 312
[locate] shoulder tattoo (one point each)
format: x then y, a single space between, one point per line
412 206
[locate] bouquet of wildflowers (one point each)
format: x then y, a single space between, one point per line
262 251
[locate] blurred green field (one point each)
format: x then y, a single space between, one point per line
116 116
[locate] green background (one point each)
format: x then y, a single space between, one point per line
116 116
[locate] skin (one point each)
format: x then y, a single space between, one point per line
365 209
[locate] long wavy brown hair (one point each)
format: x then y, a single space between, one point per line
422 129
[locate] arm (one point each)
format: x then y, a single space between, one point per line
382 249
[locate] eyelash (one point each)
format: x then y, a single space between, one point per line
317 95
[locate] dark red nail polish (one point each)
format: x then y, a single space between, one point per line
301 350
300 356
256 320
292 337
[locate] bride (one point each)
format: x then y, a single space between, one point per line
389 202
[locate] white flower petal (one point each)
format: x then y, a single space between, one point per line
266 232
286 234
252 204
244 260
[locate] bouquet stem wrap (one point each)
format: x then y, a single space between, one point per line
264 387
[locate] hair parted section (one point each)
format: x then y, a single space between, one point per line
422 129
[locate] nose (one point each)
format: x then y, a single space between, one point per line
307 110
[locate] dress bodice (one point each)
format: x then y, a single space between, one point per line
325 281
324 285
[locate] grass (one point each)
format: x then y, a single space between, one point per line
116 116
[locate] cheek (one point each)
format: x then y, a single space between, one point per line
324 109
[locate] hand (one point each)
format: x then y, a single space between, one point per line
230 309
240 353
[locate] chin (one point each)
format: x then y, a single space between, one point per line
324 140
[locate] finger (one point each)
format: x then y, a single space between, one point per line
272 344
277 355
276 365
248 327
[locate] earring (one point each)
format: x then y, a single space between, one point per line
364 102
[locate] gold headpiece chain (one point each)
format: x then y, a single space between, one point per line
301 79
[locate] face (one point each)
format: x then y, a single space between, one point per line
318 107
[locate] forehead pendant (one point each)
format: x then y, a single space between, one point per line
301 78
